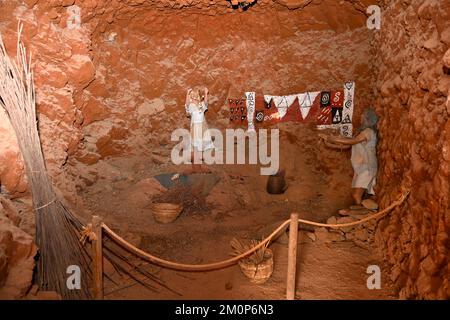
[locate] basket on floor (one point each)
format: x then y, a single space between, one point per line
166 212
258 273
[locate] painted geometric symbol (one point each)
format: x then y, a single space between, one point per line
337 99
336 115
346 119
325 99
345 130
260 116
348 104
324 116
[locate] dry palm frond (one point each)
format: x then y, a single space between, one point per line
241 246
132 266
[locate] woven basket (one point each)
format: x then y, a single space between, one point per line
258 273
166 212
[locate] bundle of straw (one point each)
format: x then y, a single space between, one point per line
57 229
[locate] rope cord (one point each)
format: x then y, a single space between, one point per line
45 205
189 267
225 263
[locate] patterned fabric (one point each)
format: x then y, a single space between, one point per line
324 116
326 109
251 106
325 99
337 99
306 102
238 112
336 115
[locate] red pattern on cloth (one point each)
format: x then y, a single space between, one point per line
324 116
337 99
270 114
293 113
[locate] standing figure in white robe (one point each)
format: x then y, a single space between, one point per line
200 139
364 156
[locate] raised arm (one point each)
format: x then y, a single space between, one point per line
188 98
187 103
206 96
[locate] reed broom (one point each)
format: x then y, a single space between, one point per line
57 229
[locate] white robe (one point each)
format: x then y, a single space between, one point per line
200 139
364 162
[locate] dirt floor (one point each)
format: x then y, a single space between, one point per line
239 206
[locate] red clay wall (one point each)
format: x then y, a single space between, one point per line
115 86
413 101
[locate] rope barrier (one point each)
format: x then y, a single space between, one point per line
225 263
189 267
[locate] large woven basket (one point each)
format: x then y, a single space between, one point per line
258 273
166 212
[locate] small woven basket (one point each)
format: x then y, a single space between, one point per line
166 212
259 273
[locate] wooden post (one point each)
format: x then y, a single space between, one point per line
292 257
97 259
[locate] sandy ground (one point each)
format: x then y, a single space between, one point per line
319 181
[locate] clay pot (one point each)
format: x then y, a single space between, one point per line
276 184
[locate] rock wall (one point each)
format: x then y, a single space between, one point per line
12 171
142 77
111 78
413 101
112 82
62 69
17 252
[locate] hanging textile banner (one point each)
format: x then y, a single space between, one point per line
340 113
302 108
238 112
347 113
282 103
306 101
250 110
337 110
326 109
